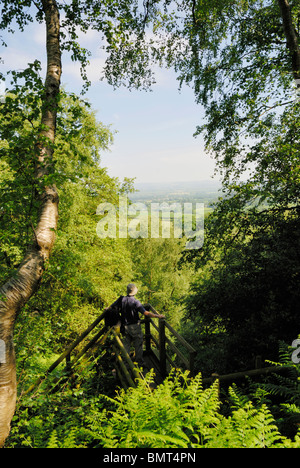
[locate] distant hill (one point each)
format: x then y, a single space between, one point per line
203 191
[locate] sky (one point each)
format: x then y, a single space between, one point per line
154 139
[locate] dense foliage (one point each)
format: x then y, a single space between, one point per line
181 413
248 272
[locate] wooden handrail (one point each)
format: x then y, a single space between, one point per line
123 371
127 372
125 367
163 340
180 338
66 353
241 375
90 345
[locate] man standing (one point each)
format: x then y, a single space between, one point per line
130 308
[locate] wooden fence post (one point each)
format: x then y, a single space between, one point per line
162 348
148 334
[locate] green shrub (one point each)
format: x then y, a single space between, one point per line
180 413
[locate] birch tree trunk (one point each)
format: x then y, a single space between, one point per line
18 289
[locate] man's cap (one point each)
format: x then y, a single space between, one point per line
131 289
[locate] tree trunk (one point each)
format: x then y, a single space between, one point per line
291 37
18 289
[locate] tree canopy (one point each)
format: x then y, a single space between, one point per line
242 60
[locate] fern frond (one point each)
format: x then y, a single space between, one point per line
162 440
256 428
69 440
266 433
237 398
53 440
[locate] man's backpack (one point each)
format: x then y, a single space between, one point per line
113 316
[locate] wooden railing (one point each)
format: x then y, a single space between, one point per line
252 373
160 347
125 368
158 343
66 355
160 350
164 349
